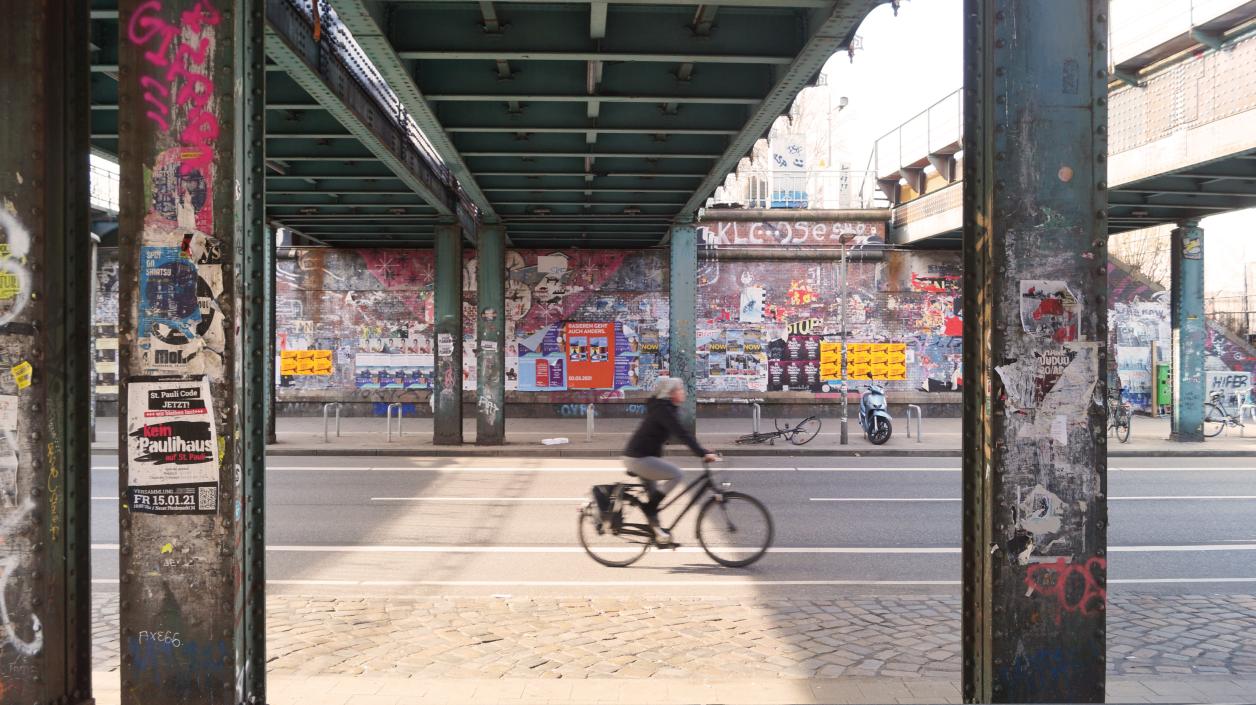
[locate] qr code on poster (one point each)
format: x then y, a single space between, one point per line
207 498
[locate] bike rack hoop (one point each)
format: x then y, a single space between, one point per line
388 419
328 407
919 416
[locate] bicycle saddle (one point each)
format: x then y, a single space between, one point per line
631 473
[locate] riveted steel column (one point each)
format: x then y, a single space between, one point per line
271 347
490 409
191 346
1189 333
682 333
45 642
447 426
1035 324
255 249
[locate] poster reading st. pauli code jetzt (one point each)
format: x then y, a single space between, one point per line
172 446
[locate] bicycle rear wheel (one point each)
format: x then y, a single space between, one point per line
734 529
805 431
1123 425
1215 420
615 546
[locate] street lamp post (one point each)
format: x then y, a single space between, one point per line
844 239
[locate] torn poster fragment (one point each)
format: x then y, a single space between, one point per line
1052 384
1049 309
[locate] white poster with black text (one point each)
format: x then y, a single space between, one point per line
172 446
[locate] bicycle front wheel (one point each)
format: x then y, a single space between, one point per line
734 529
618 545
1214 420
805 431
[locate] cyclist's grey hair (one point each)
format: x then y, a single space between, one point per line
664 387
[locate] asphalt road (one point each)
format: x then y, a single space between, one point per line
858 526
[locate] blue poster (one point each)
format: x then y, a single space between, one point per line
168 281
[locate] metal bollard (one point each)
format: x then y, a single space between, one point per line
919 415
397 406
327 407
755 415
588 424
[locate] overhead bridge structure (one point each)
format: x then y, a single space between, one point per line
573 123
413 124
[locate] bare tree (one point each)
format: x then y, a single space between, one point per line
1146 251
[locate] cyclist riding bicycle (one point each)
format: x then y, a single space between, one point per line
643 454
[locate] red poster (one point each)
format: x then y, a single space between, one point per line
542 373
590 355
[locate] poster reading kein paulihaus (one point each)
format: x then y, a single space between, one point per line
172 446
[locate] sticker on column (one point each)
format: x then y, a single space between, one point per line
444 344
1192 248
1049 309
488 346
22 372
8 450
172 446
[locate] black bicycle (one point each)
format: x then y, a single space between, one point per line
1119 415
799 434
734 528
1218 417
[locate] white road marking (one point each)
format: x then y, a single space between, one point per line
884 550
957 499
732 582
481 500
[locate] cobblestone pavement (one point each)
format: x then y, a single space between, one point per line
676 637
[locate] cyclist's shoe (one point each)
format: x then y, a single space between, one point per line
663 538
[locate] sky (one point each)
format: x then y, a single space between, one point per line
911 61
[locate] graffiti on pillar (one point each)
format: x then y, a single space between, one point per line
180 321
23 634
1077 588
15 284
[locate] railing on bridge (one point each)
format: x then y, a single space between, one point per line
340 57
830 188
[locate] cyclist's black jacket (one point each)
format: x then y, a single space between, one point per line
661 422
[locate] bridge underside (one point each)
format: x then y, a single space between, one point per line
574 123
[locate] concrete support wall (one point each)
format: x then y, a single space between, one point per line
682 326
447 385
1186 312
45 638
192 347
490 407
1035 332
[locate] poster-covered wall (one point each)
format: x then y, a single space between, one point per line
361 320
775 325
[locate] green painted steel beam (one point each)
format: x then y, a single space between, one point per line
654 99
832 30
726 3
358 19
593 129
682 319
579 174
447 386
290 45
586 190
595 155
584 56
338 193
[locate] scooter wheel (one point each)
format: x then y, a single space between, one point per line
881 432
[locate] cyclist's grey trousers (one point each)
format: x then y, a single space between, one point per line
657 470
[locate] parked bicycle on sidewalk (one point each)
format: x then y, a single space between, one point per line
1218 417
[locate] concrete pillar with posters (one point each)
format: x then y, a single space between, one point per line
45 600
490 408
1186 313
447 385
192 350
1035 332
682 332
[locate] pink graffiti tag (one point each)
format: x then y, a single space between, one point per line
188 67
1078 588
